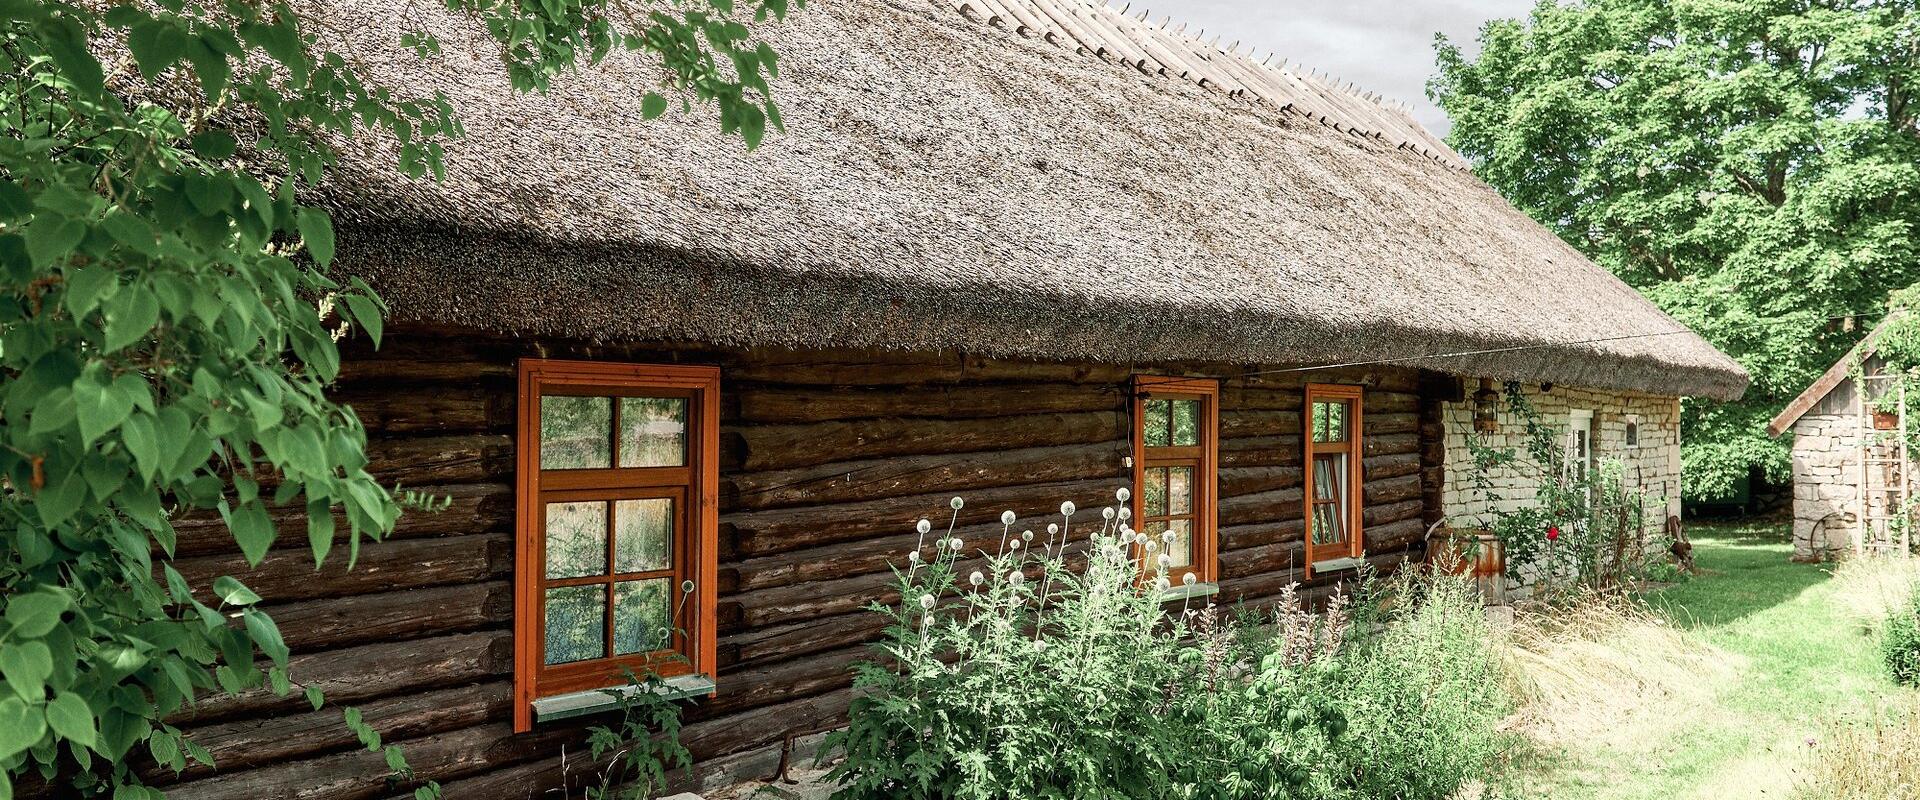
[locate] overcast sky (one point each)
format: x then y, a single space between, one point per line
1384 46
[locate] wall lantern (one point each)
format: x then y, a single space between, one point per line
1486 408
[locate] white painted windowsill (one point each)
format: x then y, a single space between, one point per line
593 701
1184 592
1337 564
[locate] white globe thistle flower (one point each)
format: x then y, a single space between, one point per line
1140 537
957 503
1026 535
1013 545
1162 583
1190 579
1039 645
1165 561
1123 495
1168 536
1053 528
913 556
925 621
1007 517
1126 513
1016 577
1106 513
956 544
1152 545
923 526
976 578
926 602
1067 508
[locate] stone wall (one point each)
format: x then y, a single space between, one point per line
1652 464
1826 484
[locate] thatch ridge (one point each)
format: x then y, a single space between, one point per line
949 185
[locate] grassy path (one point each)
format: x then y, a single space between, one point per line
1798 665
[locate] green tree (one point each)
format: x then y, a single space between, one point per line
1752 166
168 322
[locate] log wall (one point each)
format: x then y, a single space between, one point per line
828 458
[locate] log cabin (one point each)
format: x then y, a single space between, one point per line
1020 251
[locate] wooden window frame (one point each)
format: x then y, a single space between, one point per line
694 548
1205 458
1355 450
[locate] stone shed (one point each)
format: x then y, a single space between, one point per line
1849 471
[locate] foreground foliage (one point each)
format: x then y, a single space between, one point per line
1753 167
168 327
1008 674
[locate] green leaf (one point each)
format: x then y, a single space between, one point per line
14 201
130 317
253 530
211 65
66 41
653 105
156 45
133 232
266 635
71 719
214 144
21 726
316 230
34 614
365 312
315 697
51 237
26 666
86 287
320 530
62 496
233 592
99 407
137 433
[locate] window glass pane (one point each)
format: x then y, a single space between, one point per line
1180 490
576 623
653 431
576 539
642 616
1181 550
1327 475
1155 423
1330 421
1186 423
576 432
1327 524
1156 492
642 534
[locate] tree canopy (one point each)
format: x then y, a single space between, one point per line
168 326
1752 166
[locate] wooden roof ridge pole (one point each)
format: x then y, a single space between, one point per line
996 16
1051 10
1155 41
1103 19
1210 71
1028 20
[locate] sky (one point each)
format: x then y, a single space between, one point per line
1383 46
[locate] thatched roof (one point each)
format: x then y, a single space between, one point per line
995 188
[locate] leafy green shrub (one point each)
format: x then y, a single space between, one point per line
641 747
1900 642
1010 674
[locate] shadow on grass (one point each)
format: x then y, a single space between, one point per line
1745 569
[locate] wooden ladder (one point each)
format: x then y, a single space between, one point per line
1883 519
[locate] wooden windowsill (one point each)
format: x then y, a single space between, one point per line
1337 564
1184 592
594 701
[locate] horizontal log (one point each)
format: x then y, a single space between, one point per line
1244 398
737 732
1391 490
360 775
774 643
1240 424
792 404
369 671
850 481
436 460
1280 557
1390 444
1381 378
1271 583
755 687
763 447
289 737
1389 402
1391 466
1394 536
1372 516
473 508
1382 424
443 408
287 574
415 613
1270 506
891 368
811 600
1236 481
1239 537
758 533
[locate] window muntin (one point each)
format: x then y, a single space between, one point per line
1175 481
617 487
1333 472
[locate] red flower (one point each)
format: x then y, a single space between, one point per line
1553 533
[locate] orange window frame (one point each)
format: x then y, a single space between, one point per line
694 484
1354 428
1204 458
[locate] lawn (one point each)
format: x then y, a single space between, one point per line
1794 666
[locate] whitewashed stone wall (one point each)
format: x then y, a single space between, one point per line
1653 465
1826 484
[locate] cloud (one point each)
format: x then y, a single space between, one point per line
1383 46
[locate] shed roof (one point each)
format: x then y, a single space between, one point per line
1067 183
1829 380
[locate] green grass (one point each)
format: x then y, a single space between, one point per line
1801 664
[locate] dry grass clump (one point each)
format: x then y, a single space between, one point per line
1580 669
1875 755
1867 590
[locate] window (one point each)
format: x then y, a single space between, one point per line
1175 485
1633 431
617 492
1332 475
1579 443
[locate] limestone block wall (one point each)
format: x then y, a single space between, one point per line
1651 464
1826 483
